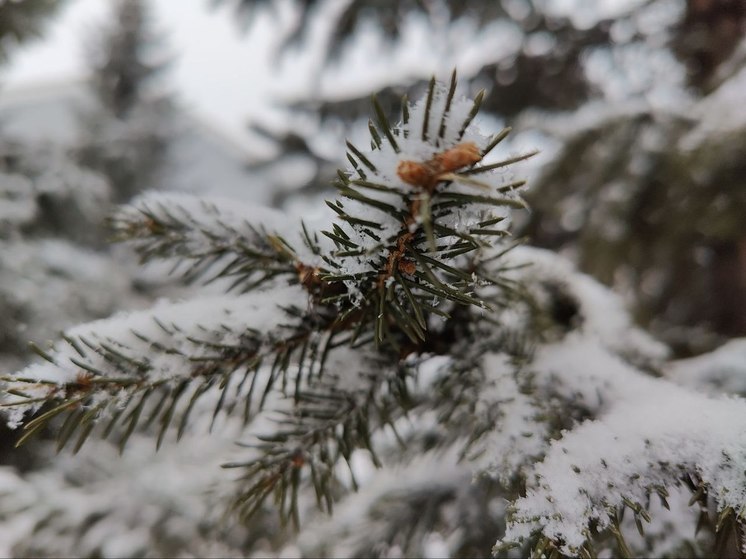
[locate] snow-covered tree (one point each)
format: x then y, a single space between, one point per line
127 132
51 212
404 380
56 269
20 21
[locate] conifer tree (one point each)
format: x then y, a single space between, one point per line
20 21
126 134
406 369
51 210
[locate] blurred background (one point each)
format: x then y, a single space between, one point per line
638 108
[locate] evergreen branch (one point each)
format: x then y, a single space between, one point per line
101 376
403 253
213 239
413 224
326 425
576 489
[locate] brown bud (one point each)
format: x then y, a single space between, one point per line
416 174
457 157
307 275
407 267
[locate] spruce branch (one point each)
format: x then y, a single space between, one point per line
321 427
400 270
422 268
151 367
584 482
207 239
325 426
412 223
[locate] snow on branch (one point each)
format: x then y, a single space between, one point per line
722 370
643 446
110 369
414 211
209 237
579 302
619 434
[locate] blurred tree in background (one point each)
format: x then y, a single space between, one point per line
54 200
128 130
20 21
53 196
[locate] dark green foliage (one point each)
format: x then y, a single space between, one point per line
20 21
667 217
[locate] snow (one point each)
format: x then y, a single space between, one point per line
220 319
720 371
646 434
602 313
106 504
517 439
719 113
352 526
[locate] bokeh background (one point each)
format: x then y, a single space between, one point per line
637 108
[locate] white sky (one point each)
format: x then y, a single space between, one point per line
223 75
227 76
